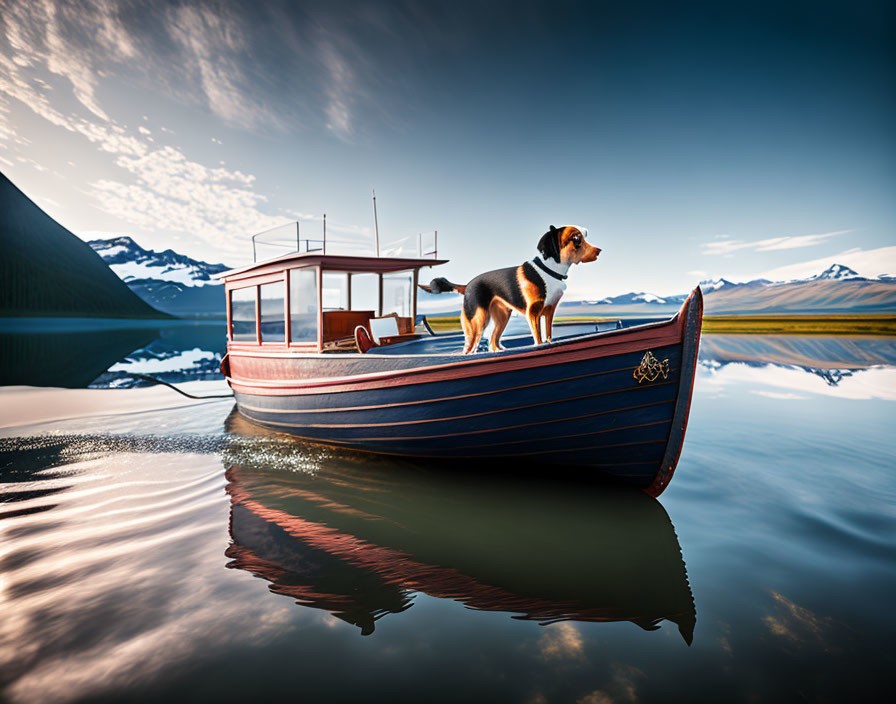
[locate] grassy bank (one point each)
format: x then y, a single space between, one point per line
801 324
748 324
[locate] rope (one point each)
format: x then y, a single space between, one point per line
172 386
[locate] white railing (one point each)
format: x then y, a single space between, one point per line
294 237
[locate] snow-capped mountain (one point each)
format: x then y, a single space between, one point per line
715 285
170 282
836 272
133 263
639 297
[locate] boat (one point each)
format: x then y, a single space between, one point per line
359 537
330 349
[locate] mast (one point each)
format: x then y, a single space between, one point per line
376 227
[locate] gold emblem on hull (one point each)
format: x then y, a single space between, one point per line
651 368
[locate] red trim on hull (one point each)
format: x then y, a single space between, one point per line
281 376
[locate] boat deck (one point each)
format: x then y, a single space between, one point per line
452 343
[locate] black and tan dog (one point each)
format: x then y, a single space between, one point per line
534 288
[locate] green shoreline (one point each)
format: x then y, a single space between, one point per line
801 324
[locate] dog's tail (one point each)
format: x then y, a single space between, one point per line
442 285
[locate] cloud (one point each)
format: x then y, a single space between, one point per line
866 262
214 43
47 33
339 89
15 84
166 190
727 246
172 192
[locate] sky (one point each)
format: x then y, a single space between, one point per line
692 140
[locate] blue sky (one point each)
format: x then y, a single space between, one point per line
694 141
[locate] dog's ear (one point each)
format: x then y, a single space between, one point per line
549 244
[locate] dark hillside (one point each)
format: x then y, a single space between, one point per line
46 271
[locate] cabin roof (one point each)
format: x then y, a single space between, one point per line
331 262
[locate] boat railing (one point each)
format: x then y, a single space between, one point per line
423 245
293 237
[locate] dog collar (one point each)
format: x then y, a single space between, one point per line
544 267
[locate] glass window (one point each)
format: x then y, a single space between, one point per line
366 292
242 314
334 291
303 305
397 293
273 315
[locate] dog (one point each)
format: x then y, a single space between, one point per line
533 288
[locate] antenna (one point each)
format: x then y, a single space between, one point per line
376 227
325 234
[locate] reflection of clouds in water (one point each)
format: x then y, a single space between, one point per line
873 383
783 396
89 608
562 641
794 622
622 687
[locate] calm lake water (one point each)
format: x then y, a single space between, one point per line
184 553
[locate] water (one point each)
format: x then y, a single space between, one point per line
180 552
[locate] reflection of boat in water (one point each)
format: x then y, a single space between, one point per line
361 535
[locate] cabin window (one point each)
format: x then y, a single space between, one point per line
398 293
334 291
366 292
242 314
273 316
303 305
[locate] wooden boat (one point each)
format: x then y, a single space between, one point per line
358 537
614 403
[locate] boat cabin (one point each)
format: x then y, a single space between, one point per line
313 302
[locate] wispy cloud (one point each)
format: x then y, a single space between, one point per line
340 87
725 245
159 188
172 192
866 262
212 41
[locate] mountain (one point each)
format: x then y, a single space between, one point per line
46 271
836 272
641 297
169 281
715 285
133 263
836 290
